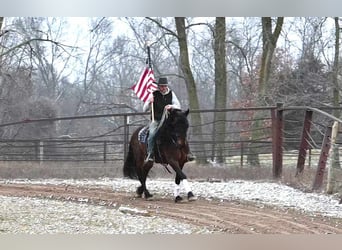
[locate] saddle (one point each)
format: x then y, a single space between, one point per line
143 135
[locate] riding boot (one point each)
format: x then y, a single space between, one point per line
150 146
150 157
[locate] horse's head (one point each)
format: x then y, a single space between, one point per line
177 122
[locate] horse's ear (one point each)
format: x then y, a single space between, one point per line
186 112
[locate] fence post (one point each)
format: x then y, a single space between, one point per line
36 150
310 157
277 140
41 151
334 166
126 135
105 151
304 144
242 144
322 159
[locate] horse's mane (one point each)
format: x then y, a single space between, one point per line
174 122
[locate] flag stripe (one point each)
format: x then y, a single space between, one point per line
142 83
145 85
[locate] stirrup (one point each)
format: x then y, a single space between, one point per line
149 158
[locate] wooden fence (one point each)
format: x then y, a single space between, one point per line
291 137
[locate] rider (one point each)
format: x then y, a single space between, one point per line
162 98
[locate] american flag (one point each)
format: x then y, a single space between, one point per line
145 85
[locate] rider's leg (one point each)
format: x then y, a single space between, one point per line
150 141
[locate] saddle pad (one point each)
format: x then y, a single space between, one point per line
142 134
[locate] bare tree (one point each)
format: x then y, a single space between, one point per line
335 71
1 22
186 74
95 63
189 79
18 96
270 38
335 165
220 85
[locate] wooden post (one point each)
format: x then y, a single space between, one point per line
41 151
242 144
304 144
277 140
126 136
105 151
333 158
36 150
322 159
310 158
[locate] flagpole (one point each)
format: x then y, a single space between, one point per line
149 55
150 66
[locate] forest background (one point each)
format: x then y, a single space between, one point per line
55 67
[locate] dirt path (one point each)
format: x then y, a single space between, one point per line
222 216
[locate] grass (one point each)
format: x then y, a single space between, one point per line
202 172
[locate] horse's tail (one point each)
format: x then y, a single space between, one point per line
129 169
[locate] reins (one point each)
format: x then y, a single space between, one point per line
163 118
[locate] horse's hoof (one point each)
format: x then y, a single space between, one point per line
191 197
150 198
178 199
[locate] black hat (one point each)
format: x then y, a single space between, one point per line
162 81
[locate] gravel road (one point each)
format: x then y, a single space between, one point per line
52 210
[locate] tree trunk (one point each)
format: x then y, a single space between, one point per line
332 185
190 84
269 39
219 128
1 22
1 50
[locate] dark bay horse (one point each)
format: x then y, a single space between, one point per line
171 147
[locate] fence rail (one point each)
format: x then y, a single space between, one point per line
61 150
288 133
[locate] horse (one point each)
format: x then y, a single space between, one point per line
171 148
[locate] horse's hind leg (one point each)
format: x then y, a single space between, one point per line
140 191
142 178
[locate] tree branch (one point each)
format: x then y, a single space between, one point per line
28 42
162 27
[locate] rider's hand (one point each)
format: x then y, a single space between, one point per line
168 107
152 99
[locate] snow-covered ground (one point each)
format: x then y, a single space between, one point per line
41 216
98 219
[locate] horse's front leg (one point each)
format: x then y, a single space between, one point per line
181 179
176 191
186 186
